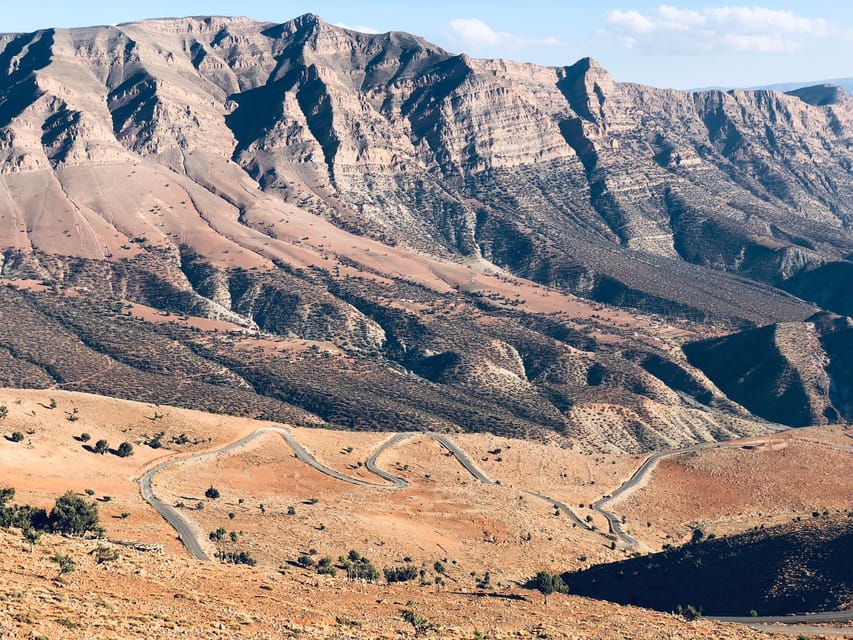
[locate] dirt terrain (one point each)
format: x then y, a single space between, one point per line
767 480
444 516
143 595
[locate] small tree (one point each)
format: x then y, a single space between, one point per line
17 436
547 584
6 494
218 537
84 437
74 515
212 493
400 574
31 536
125 450
102 446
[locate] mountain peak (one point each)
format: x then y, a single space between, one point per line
820 95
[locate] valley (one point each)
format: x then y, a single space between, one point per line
345 335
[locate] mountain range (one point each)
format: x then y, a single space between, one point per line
302 222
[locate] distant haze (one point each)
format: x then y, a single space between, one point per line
844 83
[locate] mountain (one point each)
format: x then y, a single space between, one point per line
796 373
820 95
300 221
844 83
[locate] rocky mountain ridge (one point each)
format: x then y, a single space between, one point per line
250 173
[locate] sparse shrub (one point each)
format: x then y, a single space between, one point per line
400 574
84 437
305 561
689 612
104 554
16 436
66 563
485 583
239 557
4 412
125 450
420 624
74 515
291 511
325 566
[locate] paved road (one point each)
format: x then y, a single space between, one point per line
562 507
810 618
185 530
460 455
802 624
643 471
636 479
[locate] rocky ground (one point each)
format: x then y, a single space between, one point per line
444 516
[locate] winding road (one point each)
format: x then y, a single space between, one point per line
637 479
187 533
188 537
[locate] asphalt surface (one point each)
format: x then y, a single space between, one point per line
810 618
637 478
187 535
186 532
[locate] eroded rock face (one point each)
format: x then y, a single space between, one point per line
411 143
294 178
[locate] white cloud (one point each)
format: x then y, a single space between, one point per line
359 28
472 33
730 28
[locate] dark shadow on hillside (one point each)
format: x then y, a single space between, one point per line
789 569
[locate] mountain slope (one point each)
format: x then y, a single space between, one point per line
785 569
794 373
428 216
442 153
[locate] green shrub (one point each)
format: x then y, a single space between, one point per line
74 515
400 574
125 450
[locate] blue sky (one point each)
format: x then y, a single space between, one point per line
678 44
